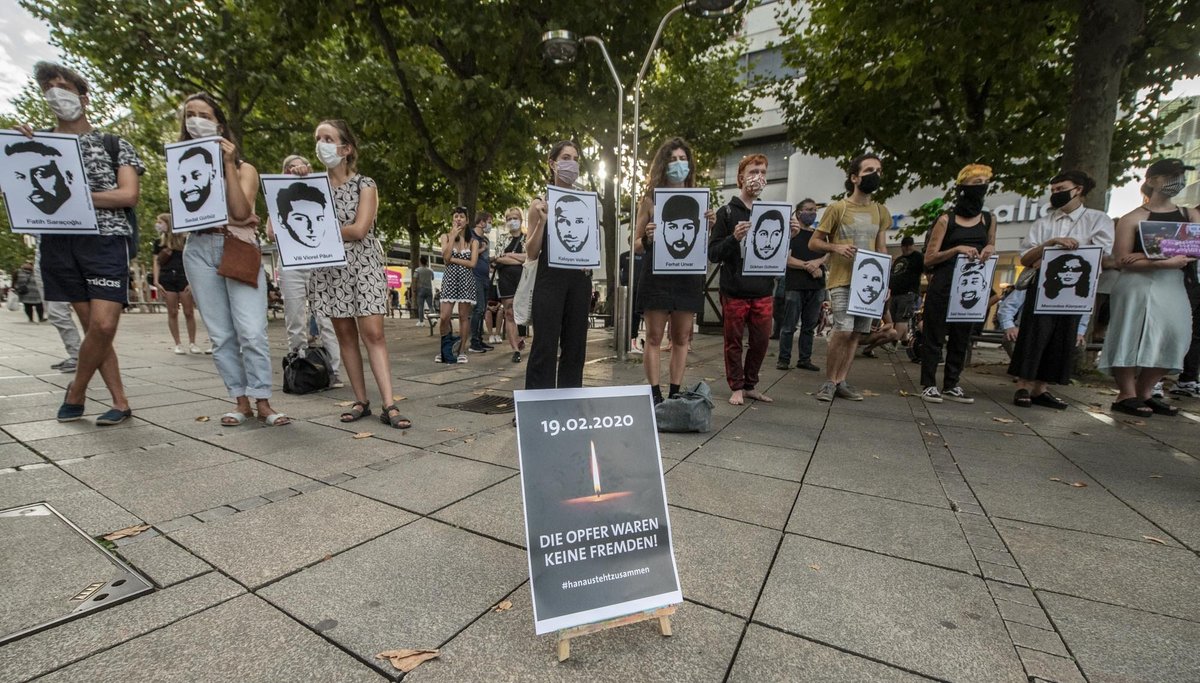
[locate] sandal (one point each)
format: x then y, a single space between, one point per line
233 419
397 421
358 410
1133 406
1022 398
275 420
1161 407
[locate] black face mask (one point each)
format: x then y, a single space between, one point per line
968 200
1060 199
869 183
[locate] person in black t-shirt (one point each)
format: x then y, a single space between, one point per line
905 285
804 290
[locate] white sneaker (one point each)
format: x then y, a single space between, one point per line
1188 389
209 350
179 350
194 349
1157 392
462 359
420 323
931 395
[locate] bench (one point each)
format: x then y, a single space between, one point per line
997 337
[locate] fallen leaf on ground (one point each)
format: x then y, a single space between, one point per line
126 532
501 405
327 558
1055 479
868 392
1081 434
815 567
447 429
469 440
406 660
1135 423
480 393
1155 539
1003 420
504 605
396 399
904 393
1006 434
363 435
931 433
504 379
344 404
808 393
1156 476
1079 484
202 418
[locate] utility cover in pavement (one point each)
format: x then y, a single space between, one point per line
489 404
53 572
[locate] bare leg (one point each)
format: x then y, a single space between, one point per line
371 329
656 322
173 315
681 334
1127 383
510 324
346 330
464 321
1146 379
189 313
445 325
99 319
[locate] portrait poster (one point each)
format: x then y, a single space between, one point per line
1067 280
1164 239
196 184
45 186
869 284
765 247
572 238
597 528
970 289
304 222
681 233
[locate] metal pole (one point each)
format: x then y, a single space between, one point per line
633 193
621 334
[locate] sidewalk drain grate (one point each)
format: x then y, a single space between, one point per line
489 404
55 572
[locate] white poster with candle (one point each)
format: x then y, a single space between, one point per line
597 530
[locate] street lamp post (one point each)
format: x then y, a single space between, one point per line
562 47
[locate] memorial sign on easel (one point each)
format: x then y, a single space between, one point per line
597 529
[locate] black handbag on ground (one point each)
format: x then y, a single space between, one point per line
304 374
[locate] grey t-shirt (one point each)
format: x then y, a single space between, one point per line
423 278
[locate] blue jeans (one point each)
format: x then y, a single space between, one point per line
235 315
482 285
801 306
424 299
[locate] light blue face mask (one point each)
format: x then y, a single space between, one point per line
677 171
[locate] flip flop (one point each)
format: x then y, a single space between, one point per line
1133 406
275 420
114 417
1161 407
238 419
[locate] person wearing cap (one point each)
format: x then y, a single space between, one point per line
1150 327
905 286
969 231
1042 354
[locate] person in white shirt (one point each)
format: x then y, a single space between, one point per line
1042 354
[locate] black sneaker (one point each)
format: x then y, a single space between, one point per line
783 365
486 345
477 349
806 365
516 357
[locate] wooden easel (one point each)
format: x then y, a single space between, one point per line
662 614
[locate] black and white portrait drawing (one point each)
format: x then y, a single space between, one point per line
970 289
44 184
1067 280
302 217
869 283
681 232
763 247
572 236
196 184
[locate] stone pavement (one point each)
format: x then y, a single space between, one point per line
881 540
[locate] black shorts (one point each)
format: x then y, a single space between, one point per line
85 267
174 281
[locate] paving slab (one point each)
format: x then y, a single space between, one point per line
904 473
925 619
70 642
243 640
913 532
1138 574
501 646
415 587
423 482
163 561
33 485
770 434
498 447
496 511
269 541
325 458
164 498
261 440
48 429
769 655
722 563
112 469
122 438
1117 645
15 455
736 495
753 458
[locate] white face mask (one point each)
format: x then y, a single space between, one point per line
514 225
327 153
201 128
64 103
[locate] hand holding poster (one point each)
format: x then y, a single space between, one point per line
300 209
869 283
1164 239
764 248
1067 280
45 186
970 290
572 237
196 184
596 523
681 231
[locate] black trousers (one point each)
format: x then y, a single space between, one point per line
955 337
561 299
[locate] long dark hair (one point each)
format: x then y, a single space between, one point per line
658 167
217 112
558 148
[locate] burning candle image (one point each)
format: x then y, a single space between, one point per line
597 492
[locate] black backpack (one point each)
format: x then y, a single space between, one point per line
308 373
112 145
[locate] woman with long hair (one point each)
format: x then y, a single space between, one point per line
234 312
172 283
509 265
668 297
460 253
354 296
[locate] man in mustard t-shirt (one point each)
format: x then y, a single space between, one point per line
849 224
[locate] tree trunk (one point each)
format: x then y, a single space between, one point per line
467 184
414 238
1107 30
